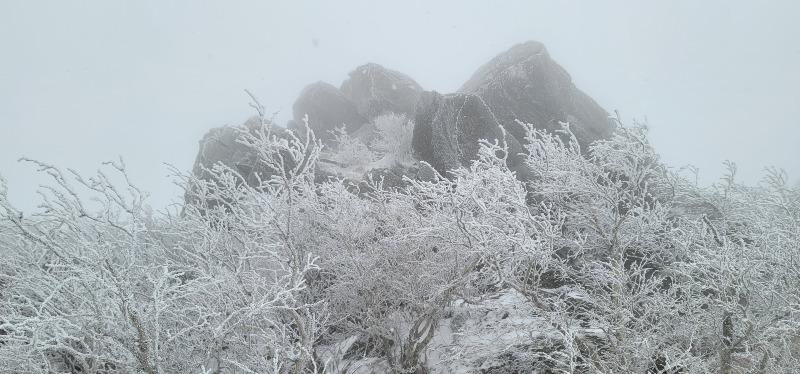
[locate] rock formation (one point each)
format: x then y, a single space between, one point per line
448 128
525 84
376 90
219 145
327 109
522 83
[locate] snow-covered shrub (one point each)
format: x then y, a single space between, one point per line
677 290
388 146
351 157
391 266
116 289
621 264
743 264
393 141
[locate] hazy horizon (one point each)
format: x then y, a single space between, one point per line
85 83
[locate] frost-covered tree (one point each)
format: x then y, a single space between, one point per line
106 286
652 281
623 265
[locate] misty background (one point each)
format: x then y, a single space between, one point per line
85 82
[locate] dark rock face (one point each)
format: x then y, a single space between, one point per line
220 145
525 84
327 108
448 128
376 90
424 115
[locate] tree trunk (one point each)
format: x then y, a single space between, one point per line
727 342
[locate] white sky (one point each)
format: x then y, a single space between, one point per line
85 81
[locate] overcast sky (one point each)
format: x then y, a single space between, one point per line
82 82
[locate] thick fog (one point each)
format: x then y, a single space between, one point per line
85 82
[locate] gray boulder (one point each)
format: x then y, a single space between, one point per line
219 145
524 83
327 109
448 129
376 90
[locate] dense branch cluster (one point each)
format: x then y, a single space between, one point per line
628 267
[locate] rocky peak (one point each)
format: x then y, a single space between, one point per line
508 65
376 90
524 83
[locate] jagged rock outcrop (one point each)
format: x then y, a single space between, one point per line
376 90
327 109
522 83
525 84
448 128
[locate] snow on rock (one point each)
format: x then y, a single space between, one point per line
491 336
501 334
